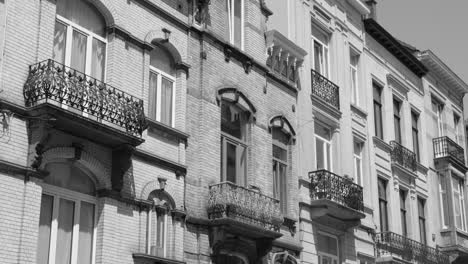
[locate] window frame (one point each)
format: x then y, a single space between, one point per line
439 115
459 202
403 212
356 157
354 71
336 257
415 134
160 75
231 18
377 107
456 127
70 26
325 143
383 201
325 51
278 163
150 233
76 197
422 220
397 104
443 192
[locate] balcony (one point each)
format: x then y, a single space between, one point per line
244 210
403 156
446 150
392 246
83 105
325 90
335 197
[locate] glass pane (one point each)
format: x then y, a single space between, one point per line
396 124
65 231
45 220
166 101
85 243
382 189
328 154
83 14
357 148
60 41
327 245
231 162
276 180
383 216
283 197
160 231
319 34
358 170
162 60
318 57
78 55
69 177
153 235
319 154
237 23
280 153
322 131
242 152
153 86
98 59
233 120
422 231
354 84
378 120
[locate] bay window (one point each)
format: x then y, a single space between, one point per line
67 221
233 143
323 147
235 21
162 79
80 38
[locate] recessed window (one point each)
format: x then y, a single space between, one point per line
415 134
323 147
235 21
457 128
327 249
403 214
233 143
459 203
397 120
444 204
320 56
280 166
67 221
353 72
377 92
162 79
158 224
422 220
80 38
357 157
383 213
437 110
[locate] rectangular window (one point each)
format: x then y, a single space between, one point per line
320 51
437 109
422 220
403 214
323 147
162 96
157 232
397 120
327 249
280 164
383 213
459 203
377 91
353 70
235 22
415 134
444 205
358 162
456 127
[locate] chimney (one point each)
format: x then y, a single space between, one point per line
372 5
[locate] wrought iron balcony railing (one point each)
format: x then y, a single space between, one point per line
50 81
389 243
325 89
403 156
227 200
327 185
445 147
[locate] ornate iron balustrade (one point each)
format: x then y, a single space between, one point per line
445 147
403 156
389 243
325 89
327 185
227 200
52 81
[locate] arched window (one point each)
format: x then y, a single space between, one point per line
280 165
159 224
80 37
161 86
234 122
67 218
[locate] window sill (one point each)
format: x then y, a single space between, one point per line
167 129
156 259
381 144
177 168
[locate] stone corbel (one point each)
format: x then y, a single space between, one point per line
227 53
247 65
121 163
39 136
277 54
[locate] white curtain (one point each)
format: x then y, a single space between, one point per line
59 42
64 232
83 14
153 86
45 221
166 101
78 56
85 243
98 59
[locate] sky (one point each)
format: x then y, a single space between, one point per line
438 25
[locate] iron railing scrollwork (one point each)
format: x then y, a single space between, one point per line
403 156
327 185
445 147
325 89
389 243
227 200
52 81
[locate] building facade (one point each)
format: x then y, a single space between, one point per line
225 131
